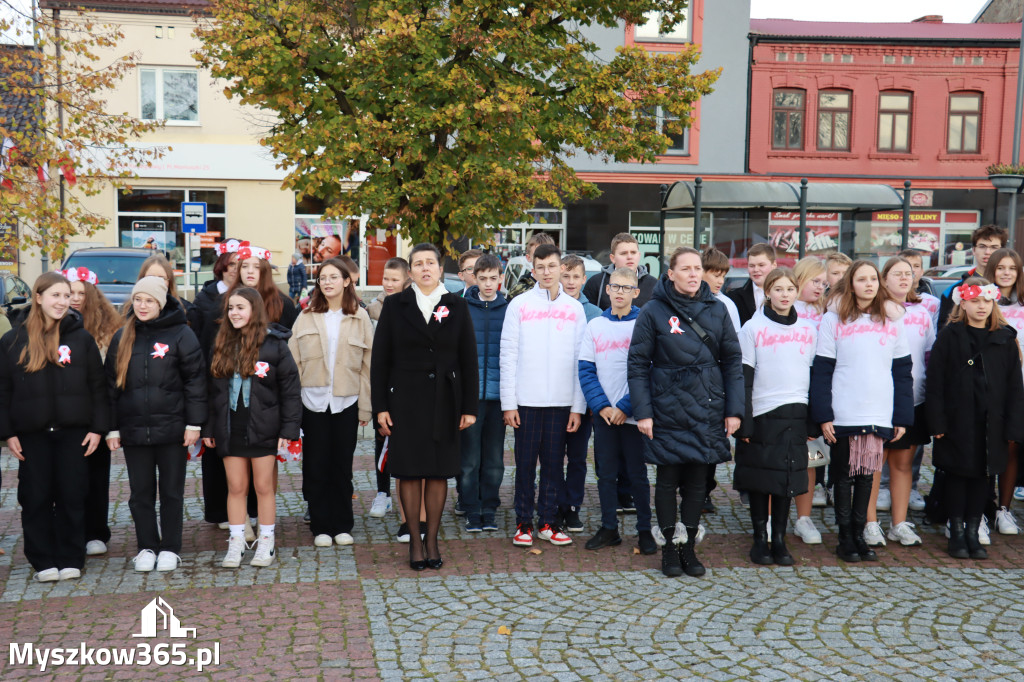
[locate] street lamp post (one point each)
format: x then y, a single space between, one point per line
1012 221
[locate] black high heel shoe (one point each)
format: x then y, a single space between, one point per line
435 563
416 565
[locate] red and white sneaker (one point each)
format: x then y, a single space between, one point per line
523 536
554 535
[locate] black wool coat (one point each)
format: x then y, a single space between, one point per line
775 459
743 297
72 394
674 379
951 401
208 304
275 399
425 376
165 389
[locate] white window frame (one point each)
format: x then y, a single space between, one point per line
160 71
649 31
670 151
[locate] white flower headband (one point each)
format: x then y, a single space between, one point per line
967 292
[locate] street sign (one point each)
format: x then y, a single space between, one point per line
193 217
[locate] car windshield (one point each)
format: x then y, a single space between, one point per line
109 269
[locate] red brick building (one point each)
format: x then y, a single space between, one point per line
925 101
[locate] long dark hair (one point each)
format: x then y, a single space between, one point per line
349 297
268 290
235 351
42 341
99 316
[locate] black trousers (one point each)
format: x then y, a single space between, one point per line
97 498
215 489
144 462
328 445
965 496
52 497
688 478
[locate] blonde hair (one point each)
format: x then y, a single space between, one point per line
995 318
805 270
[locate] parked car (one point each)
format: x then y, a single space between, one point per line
517 265
737 277
15 295
940 278
116 268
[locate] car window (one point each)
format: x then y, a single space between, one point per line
22 288
109 269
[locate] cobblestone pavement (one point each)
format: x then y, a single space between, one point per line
499 612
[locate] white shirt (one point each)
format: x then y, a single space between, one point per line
758 296
606 344
319 398
808 311
222 288
862 388
540 348
734 314
931 304
920 332
781 356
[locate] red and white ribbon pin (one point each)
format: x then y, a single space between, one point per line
65 355
261 369
160 349
674 324
441 313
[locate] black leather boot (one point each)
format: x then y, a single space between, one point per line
957 545
670 564
780 520
974 547
847 549
688 558
859 511
760 553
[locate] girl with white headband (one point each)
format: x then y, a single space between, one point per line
974 399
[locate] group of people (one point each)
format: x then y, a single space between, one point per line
832 362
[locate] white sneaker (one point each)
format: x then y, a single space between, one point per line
264 552
806 531
873 535
701 532
767 527
167 561
250 534
145 561
916 501
70 573
48 575
904 534
819 499
236 548
884 500
94 547
381 505
344 539
323 540
984 538
1006 522
224 525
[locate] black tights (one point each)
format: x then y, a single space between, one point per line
434 493
690 480
966 497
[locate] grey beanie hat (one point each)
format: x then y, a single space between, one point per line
153 286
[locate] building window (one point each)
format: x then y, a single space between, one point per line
889 59
894 110
907 59
782 56
828 58
788 119
170 95
847 59
679 142
964 122
651 30
834 120
958 61
800 57
977 61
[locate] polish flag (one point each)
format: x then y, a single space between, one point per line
6 150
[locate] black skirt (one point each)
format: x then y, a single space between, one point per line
915 435
237 446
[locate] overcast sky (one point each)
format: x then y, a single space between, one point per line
952 11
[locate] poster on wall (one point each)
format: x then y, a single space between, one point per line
319 239
822 235
9 248
150 239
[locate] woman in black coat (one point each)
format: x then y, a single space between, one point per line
974 399
699 398
157 380
424 391
255 409
53 411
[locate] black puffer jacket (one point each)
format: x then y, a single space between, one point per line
165 389
951 398
275 399
674 379
208 304
68 395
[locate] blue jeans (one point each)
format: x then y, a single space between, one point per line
613 444
483 444
576 444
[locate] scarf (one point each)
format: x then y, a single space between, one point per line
865 454
427 302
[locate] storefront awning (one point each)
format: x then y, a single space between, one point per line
782 195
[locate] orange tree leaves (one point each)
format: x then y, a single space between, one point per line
463 114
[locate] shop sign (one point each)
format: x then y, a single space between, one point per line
822 235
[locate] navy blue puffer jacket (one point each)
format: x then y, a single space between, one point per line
488 318
674 379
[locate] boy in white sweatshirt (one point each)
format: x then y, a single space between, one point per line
540 391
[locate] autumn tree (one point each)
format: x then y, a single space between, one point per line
463 114
58 141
